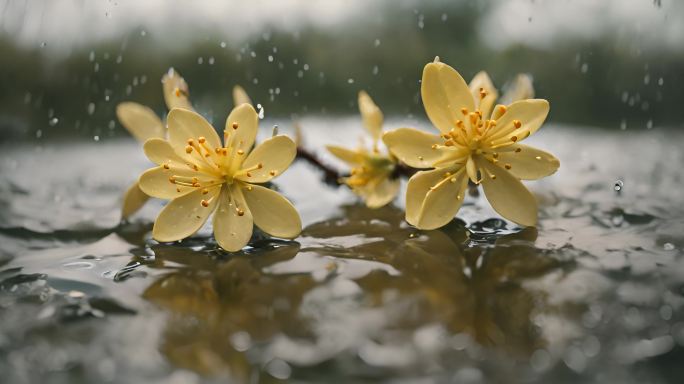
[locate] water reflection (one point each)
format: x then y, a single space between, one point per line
381 291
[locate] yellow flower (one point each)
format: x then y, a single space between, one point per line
143 124
200 175
479 141
371 174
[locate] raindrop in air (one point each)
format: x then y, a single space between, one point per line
261 111
54 121
649 124
91 108
618 186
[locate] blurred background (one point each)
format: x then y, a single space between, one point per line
65 64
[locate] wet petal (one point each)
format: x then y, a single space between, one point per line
444 93
528 163
133 200
347 155
240 96
156 182
274 154
433 197
233 223
185 124
176 91
482 83
372 116
185 215
529 115
414 147
507 195
272 213
140 121
241 128
382 193
159 151
521 88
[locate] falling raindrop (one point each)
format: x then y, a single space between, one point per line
223 44
623 125
211 60
54 121
377 42
350 81
618 186
261 111
584 68
649 124
91 108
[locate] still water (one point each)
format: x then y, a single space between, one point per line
594 294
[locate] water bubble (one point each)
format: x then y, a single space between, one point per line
668 247
91 108
54 121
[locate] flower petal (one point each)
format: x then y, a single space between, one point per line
520 88
185 215
272 213
507 195
231 229
159 151
444 93
528 163
176 91
241 128
529 113
274 154
349 156
156 181
414 147
381 193
185 124
240 96
372 116
433 197
140 121
482 82
133 200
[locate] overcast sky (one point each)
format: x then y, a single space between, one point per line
64 24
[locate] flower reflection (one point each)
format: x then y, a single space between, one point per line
233 316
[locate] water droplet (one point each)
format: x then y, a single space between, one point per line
223 44
211 60
270 58
350 81
54 121
668 247
661 81
376 70
39 134
91 108
306 67
96 138
261 111
618 186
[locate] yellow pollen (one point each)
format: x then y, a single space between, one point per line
172 180
517 123
249 188
166 166
464 111
502 109
517 150
434 146
495 155
235 125
202 139
507 166
453 180
195 167
514 138
191 142
205 191
178 190
240 212
240 152
259 166
249 174
204 203
188 149
493 177
196 185
538 157
177 91
272 173
420 158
